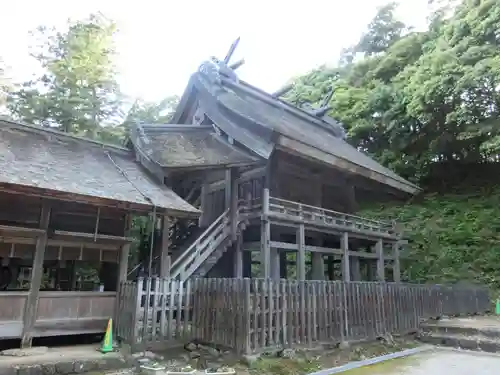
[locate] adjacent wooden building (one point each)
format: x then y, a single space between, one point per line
279 186
66 205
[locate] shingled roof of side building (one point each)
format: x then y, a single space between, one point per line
45 162
185 146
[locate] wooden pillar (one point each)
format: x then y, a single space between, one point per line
247 264
238 257
330 267
379 247
165 245
123 264
204 206
124 255
355 269
265 236
227 189
371 267
396 270
351 198
318 266
301 253
30 309
233 206
275 264
283 265
344 244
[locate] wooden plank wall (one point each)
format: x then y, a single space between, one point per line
303 181
255 315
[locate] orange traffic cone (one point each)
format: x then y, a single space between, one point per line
107 344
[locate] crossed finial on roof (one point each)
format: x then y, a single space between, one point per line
214 67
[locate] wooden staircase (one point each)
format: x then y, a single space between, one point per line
202 255
199 258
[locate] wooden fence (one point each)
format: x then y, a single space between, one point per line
253 315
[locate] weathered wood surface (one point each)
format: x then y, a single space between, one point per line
202 248
254 315
58 313
69 313
294 211
32 300
290 213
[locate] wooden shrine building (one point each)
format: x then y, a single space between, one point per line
65 210
278 185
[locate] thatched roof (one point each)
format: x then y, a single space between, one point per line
51 163
184 146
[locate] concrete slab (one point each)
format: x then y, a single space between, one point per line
63 360
436 361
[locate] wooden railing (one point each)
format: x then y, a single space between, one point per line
11 314
194 256
255 315
293 211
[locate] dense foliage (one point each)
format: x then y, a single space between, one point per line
78 92
414 98
452 237
427 103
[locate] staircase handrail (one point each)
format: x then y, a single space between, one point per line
199 244
242 205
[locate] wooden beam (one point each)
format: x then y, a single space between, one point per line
379 249
265 236
244 176
344 244
123 263
13 231
30 309
165 247
202 221
355 268
396 270
233 204
238 257
318 266
293 221
287 247
275 264
90 237
301 253
227 189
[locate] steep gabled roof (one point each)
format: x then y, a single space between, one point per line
46 161
275 116
184 146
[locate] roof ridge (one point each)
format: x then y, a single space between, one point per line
280 104
41 130
164 127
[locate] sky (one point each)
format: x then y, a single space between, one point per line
160 43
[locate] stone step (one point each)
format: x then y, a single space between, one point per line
445 330
477 342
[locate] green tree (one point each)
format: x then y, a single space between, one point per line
5 85
416 98
383 31
78 92
152 112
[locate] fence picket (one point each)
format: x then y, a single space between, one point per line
255 315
